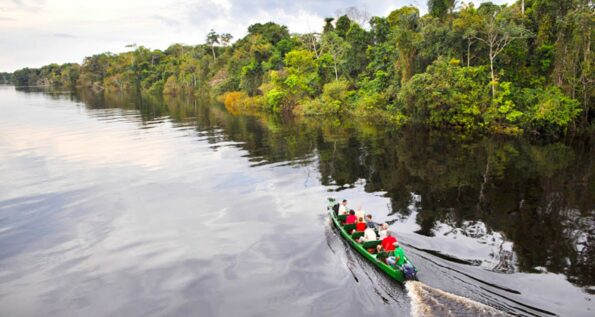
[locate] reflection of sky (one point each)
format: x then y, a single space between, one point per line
95 212
101 217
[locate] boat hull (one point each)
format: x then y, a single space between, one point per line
390 271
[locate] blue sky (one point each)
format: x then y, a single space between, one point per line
38 32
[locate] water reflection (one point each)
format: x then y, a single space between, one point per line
503 205
539 196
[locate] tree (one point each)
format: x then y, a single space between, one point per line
336 47
342 26
359 16
271 32
467 23
226 39
212 38
497 31
405 25
328 25
440 8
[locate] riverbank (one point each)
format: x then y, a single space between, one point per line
495 69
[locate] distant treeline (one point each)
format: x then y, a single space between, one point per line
5 78
523 67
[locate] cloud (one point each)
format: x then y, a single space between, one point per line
167 21
109 25
64 35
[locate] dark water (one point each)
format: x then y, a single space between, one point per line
113 205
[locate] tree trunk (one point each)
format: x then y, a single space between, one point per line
523 7
468 52
336 73
213 50
493 83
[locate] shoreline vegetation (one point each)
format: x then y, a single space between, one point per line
511 69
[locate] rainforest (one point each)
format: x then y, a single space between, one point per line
524 68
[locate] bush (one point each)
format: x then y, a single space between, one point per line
447 95
335 99
275 98
553 111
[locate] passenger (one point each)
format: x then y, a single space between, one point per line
343 207
369 222
351 217
360 225
398 259
387 243
360 213
383 230
369 235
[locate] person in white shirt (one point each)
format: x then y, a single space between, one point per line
383 230
369 235
360 213
343 210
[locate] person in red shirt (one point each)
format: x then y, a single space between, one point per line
351 217
361 225
387 243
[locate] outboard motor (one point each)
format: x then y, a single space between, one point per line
409 271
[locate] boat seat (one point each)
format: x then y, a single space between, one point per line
356 235
370 244
349 227
382 256
342 218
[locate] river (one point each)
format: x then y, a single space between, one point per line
129 206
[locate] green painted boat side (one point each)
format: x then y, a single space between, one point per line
393 273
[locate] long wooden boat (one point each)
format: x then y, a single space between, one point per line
363 248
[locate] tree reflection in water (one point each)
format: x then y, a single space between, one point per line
538 195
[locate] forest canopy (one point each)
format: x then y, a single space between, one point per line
495 68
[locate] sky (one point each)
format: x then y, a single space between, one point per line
34 33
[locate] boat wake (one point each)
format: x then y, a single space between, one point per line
427 301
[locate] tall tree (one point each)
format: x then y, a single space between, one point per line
212 39
405 25
497 31
336 47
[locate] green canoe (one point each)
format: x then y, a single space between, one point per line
362 248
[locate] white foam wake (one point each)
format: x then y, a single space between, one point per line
430 302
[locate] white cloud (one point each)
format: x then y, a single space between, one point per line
38 32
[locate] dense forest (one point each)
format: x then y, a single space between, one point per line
525 67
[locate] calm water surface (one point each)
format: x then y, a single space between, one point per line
113 205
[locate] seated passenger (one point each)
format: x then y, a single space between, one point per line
360 225
387 243
360 213
351 217
369 222
369 235
383 230
343 207
398 259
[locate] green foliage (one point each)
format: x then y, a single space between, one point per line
552 111
275 99
447 95
437 69
342 26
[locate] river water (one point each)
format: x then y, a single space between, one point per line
119 205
